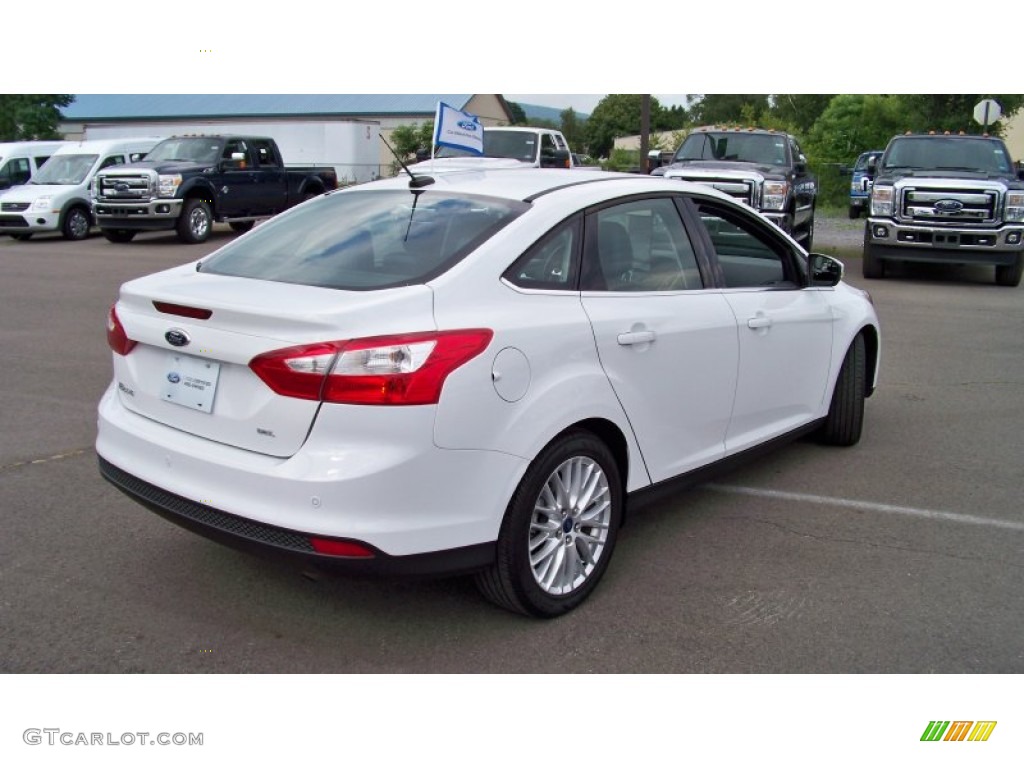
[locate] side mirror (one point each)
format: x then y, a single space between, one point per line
825 271
872 166
236 162
556 158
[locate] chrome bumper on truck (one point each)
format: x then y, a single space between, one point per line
153 214
952 245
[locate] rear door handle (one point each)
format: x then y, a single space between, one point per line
636 337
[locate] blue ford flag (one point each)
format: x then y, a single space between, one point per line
459 130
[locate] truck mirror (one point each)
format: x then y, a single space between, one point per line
555 158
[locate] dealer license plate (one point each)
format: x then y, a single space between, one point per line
190 381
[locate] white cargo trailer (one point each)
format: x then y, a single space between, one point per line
352 147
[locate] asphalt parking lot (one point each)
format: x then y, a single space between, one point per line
903 554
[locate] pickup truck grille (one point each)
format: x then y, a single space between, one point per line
741 190
956 207
124 187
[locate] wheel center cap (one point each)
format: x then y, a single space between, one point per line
567 525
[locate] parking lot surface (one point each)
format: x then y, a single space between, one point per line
903 554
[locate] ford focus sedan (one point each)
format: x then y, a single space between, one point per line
473 372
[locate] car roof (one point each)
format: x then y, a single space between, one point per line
531 183
105 145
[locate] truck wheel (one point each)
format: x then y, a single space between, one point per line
559 529
76 224
118 235
846 412
1010 274
195 222
241 226
809 234
854 211
22 236
873 268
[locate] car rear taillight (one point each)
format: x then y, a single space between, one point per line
117 339
409 369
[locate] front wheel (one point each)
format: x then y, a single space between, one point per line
195 222
559 530
1010 274
845 417
22 236
872 267
854 211
809 234
76 224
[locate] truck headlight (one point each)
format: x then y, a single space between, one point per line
1014 208
169 184
774 196
42 203
881 201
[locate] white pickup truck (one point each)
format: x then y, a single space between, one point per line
511 147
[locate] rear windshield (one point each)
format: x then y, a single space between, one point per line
512 145
365 240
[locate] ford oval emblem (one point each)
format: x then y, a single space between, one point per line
948 206
467 125
173 377
177 337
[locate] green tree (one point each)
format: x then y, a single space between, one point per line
572 128
797 112
855 123
27 117
617 114
955 112
518 115
716 109
407 140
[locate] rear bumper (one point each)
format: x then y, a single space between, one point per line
363 475
268 540
1001 246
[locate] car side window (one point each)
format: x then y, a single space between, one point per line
17 171
112 160
551 263
265 154
639 246
235 146
748 256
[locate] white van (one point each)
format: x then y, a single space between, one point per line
56 199
19 160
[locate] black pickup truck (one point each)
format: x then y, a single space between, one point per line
186 183
765 169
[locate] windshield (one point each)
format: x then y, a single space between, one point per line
762 148
65 169
514 145
947 153
195 149
366 239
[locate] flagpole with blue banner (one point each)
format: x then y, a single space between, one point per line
457 129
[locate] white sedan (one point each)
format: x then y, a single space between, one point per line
471 373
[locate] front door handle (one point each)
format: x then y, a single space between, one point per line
636 337
759 321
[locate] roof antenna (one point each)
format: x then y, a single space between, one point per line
416 181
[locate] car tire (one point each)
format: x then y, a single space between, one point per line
119 235
1009 275
241 226
552 551
195 222
23 236
845 417
872 267
77 224
854 211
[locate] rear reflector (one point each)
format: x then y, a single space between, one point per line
117 339
180 309
409 369
340 548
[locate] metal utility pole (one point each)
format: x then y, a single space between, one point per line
645 131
